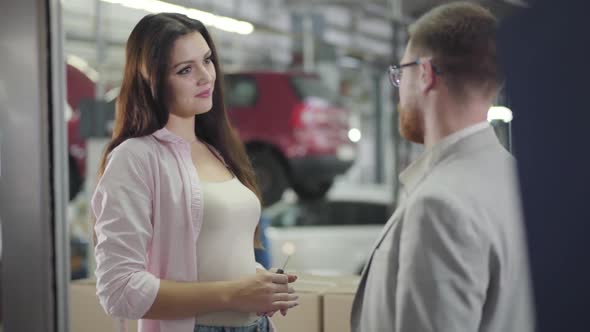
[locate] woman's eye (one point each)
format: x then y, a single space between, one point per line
184 71
208 61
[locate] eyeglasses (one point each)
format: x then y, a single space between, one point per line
395 72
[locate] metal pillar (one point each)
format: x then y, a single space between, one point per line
308 43
100 48
33 167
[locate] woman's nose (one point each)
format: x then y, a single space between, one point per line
204 76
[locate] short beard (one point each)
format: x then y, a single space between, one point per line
411 124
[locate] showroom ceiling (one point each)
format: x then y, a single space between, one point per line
361 28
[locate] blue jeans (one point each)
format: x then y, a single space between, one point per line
261 325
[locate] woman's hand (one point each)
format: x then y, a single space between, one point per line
292 278
264 292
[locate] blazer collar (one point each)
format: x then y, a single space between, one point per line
475 137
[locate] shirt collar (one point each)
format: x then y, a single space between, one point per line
166 135
414 173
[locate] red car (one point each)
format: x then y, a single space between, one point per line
294 132
79 87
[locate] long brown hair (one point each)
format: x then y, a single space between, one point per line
141 108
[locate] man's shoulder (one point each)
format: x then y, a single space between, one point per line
468 179
473 188
478 168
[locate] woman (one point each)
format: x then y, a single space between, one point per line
176 205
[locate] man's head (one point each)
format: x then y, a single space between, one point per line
452 57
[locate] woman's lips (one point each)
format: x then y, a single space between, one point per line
204 94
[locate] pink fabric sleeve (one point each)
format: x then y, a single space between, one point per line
122 207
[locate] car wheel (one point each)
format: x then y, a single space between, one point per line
76 180
270 175
312 190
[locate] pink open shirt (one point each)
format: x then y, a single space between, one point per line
148 207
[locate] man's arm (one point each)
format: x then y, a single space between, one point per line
443 271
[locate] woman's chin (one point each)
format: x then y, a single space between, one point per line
203 111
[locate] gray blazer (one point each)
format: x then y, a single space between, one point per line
452 258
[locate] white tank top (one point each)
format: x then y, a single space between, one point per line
225 248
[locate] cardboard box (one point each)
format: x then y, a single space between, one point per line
324 306
337 307
308 315
305 317
334 281
86 314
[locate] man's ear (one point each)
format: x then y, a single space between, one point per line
428 77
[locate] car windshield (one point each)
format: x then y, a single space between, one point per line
331 213
310 86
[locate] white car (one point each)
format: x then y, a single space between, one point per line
332 236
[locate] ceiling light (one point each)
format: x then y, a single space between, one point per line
220 22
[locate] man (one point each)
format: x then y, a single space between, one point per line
453 257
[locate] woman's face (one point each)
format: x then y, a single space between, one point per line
191 77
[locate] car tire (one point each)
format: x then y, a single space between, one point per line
270 175
312 190
75 179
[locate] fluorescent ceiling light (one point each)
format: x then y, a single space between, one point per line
499 113
349 62
220 22
83 66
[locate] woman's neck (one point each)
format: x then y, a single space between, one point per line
182 127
